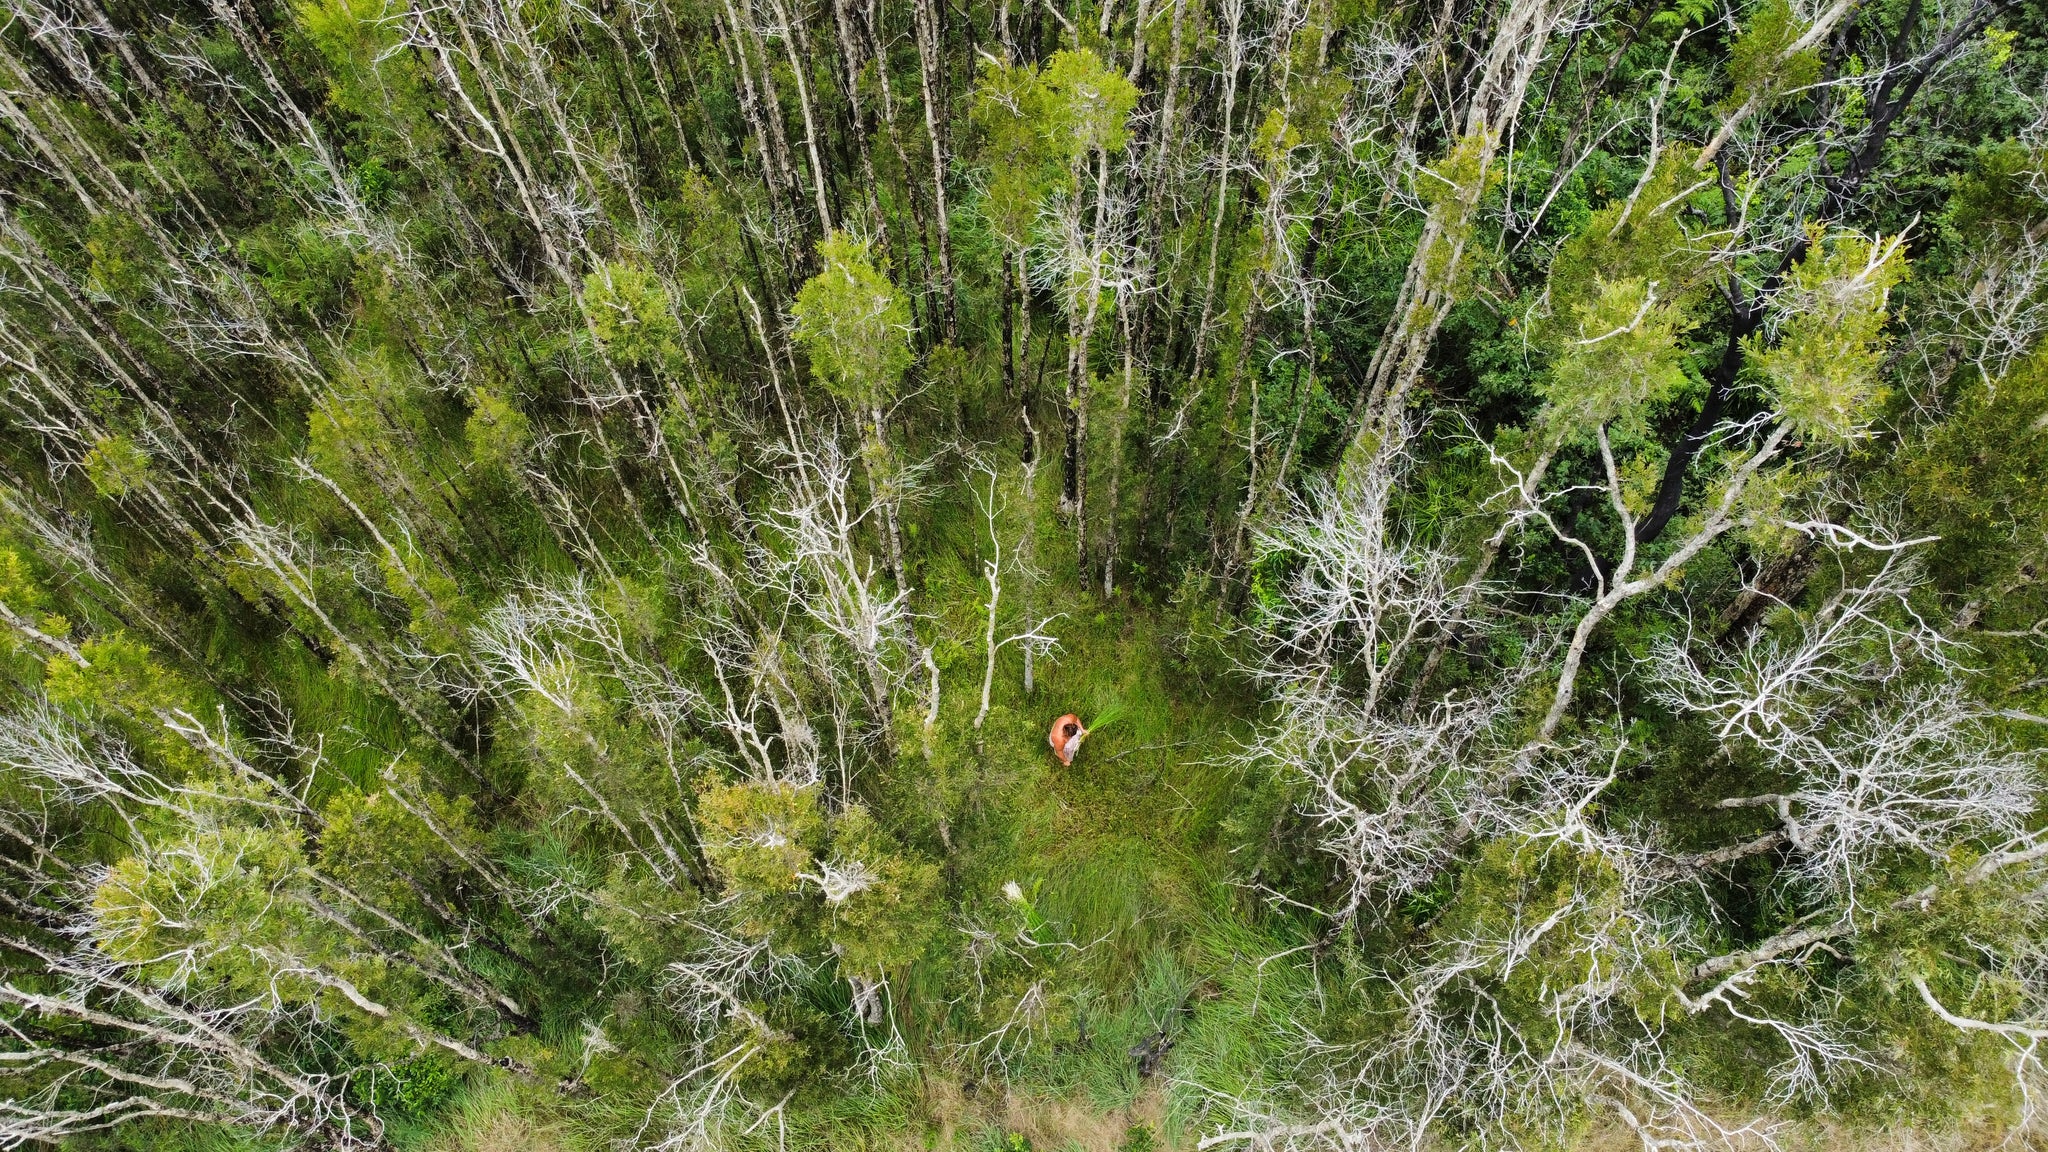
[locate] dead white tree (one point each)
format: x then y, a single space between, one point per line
546 648
1388 787
818 563
1033 639
1918 769
1509 1027
101 1049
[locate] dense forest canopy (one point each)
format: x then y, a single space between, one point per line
540 541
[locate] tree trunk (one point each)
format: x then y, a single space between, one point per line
931 75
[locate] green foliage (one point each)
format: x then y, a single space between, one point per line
417 1088
1036 128
117 465
1623 356
497 431
119 678
645 918
370 402
629 311
1015 149
123 256
854 324
1979 479
1999 190
384 851
1823 368
497 699
1637 237
1762 63
1452 189
888 922
367 78
440 614
304 269
1591 931
761 836
1088 104
20 590
219 900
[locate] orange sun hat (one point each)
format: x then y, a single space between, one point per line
1065 737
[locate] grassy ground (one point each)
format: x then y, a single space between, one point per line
1122 852
1150 949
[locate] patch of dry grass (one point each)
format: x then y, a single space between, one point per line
957 1115
496 1119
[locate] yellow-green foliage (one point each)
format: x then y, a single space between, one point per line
1314 102
367 417
707 225
1035 127
677 847
1648 243
1767 503
760 1058
1620 289
1622 356
201 890
368 75
887 923
384 852
1452 190
506 1115
119 676
853 323
497 431
216 898
1313 99
123 256
761 836
1021 165
305 269
1761 65
116 466
19 588
1996 197
211 899
1823 368
645 917
1998 44
440 613
1090 104
121 680
567 715
630 312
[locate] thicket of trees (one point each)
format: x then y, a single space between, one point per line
538 542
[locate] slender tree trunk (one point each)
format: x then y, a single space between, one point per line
911 186
1080 334
932 76
847 36
803 97
882 475
740 58
1233 64
1116 453
1436 270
